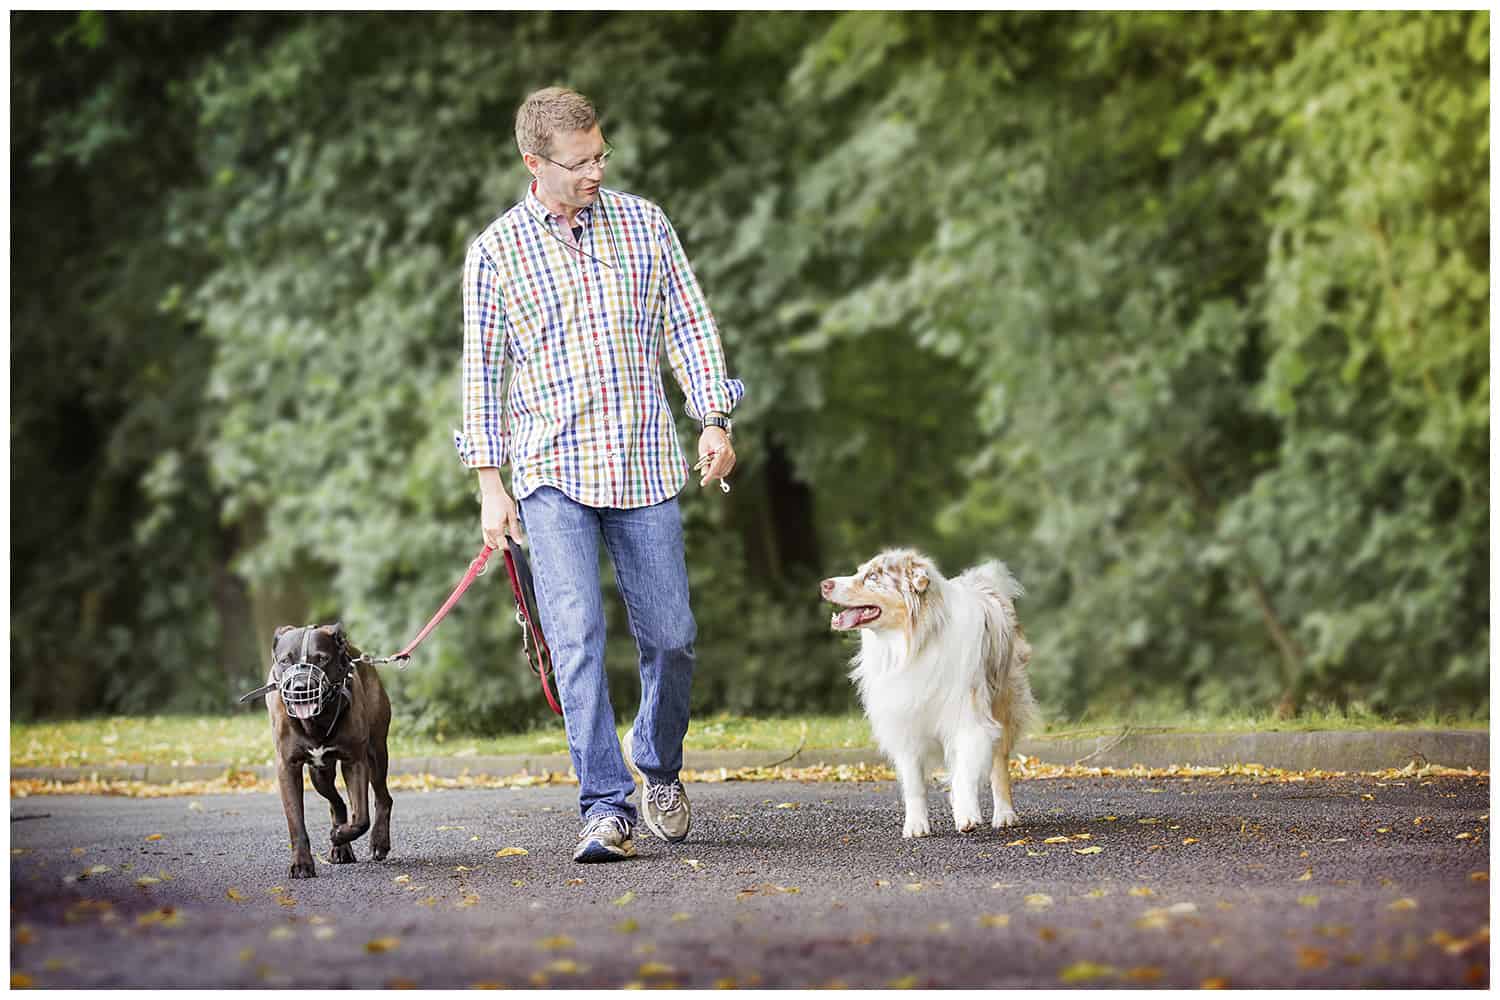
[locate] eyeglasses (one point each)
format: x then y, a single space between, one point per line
599 161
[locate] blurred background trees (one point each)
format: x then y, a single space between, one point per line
1183 315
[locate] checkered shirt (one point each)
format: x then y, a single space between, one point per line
562 372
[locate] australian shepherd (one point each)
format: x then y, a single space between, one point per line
941 666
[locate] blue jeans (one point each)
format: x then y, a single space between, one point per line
645 545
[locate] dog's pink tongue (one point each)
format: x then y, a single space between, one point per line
848 618
302 710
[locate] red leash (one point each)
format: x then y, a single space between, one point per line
475 568
520 588
542 667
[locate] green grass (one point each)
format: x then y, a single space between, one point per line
245 740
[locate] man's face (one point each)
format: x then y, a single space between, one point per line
573 188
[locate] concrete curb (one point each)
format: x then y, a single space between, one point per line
1296 751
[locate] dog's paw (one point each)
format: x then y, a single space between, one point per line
303 869
968 824
341 854
1004 818
916 826
378 852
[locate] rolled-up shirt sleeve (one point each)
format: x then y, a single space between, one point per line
694 351
482 441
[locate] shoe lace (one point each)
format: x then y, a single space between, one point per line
666 796
597 826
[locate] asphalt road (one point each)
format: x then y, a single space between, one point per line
1238 881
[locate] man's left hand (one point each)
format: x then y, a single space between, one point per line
714 442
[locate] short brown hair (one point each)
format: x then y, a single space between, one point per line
549 111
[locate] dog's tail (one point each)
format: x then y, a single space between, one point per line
1007 653
994 578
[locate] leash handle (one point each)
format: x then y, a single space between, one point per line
475 568
542 666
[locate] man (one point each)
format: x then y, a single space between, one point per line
568 300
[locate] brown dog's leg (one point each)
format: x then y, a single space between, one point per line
357 784
289 779
380 761
322 779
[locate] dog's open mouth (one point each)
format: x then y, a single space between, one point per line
857 617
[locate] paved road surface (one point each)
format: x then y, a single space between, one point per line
783 884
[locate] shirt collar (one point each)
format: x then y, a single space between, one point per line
544 215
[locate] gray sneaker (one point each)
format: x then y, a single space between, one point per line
665 811
664 807
606 838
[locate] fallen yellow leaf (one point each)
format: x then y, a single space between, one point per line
20 980
155 836
1080 972
384 944
1405 903
628 926
1096 849
1304 877
1144 974
402 879
235 894
1039 900
511 852
649 969
994 920
1216 983
904 983
1308 901
558 943
1189 840
1479 876
625 899
1141 891
1055 840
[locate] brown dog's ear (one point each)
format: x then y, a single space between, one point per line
283 630
336 630
918 577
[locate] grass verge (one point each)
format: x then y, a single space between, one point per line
244 740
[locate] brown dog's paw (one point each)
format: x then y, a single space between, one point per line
379 850
341 854
303 870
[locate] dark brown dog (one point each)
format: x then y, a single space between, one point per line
325 706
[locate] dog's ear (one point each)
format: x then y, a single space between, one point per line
917 574
336 630
283 630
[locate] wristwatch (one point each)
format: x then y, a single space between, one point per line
719 420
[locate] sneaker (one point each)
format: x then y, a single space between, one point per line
606 838
664 808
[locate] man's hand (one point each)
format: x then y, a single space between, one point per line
497 511
715 447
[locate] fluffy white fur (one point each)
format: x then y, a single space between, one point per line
941 673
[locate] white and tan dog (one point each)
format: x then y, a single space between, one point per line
941 667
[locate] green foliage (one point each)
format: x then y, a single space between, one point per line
1183 315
